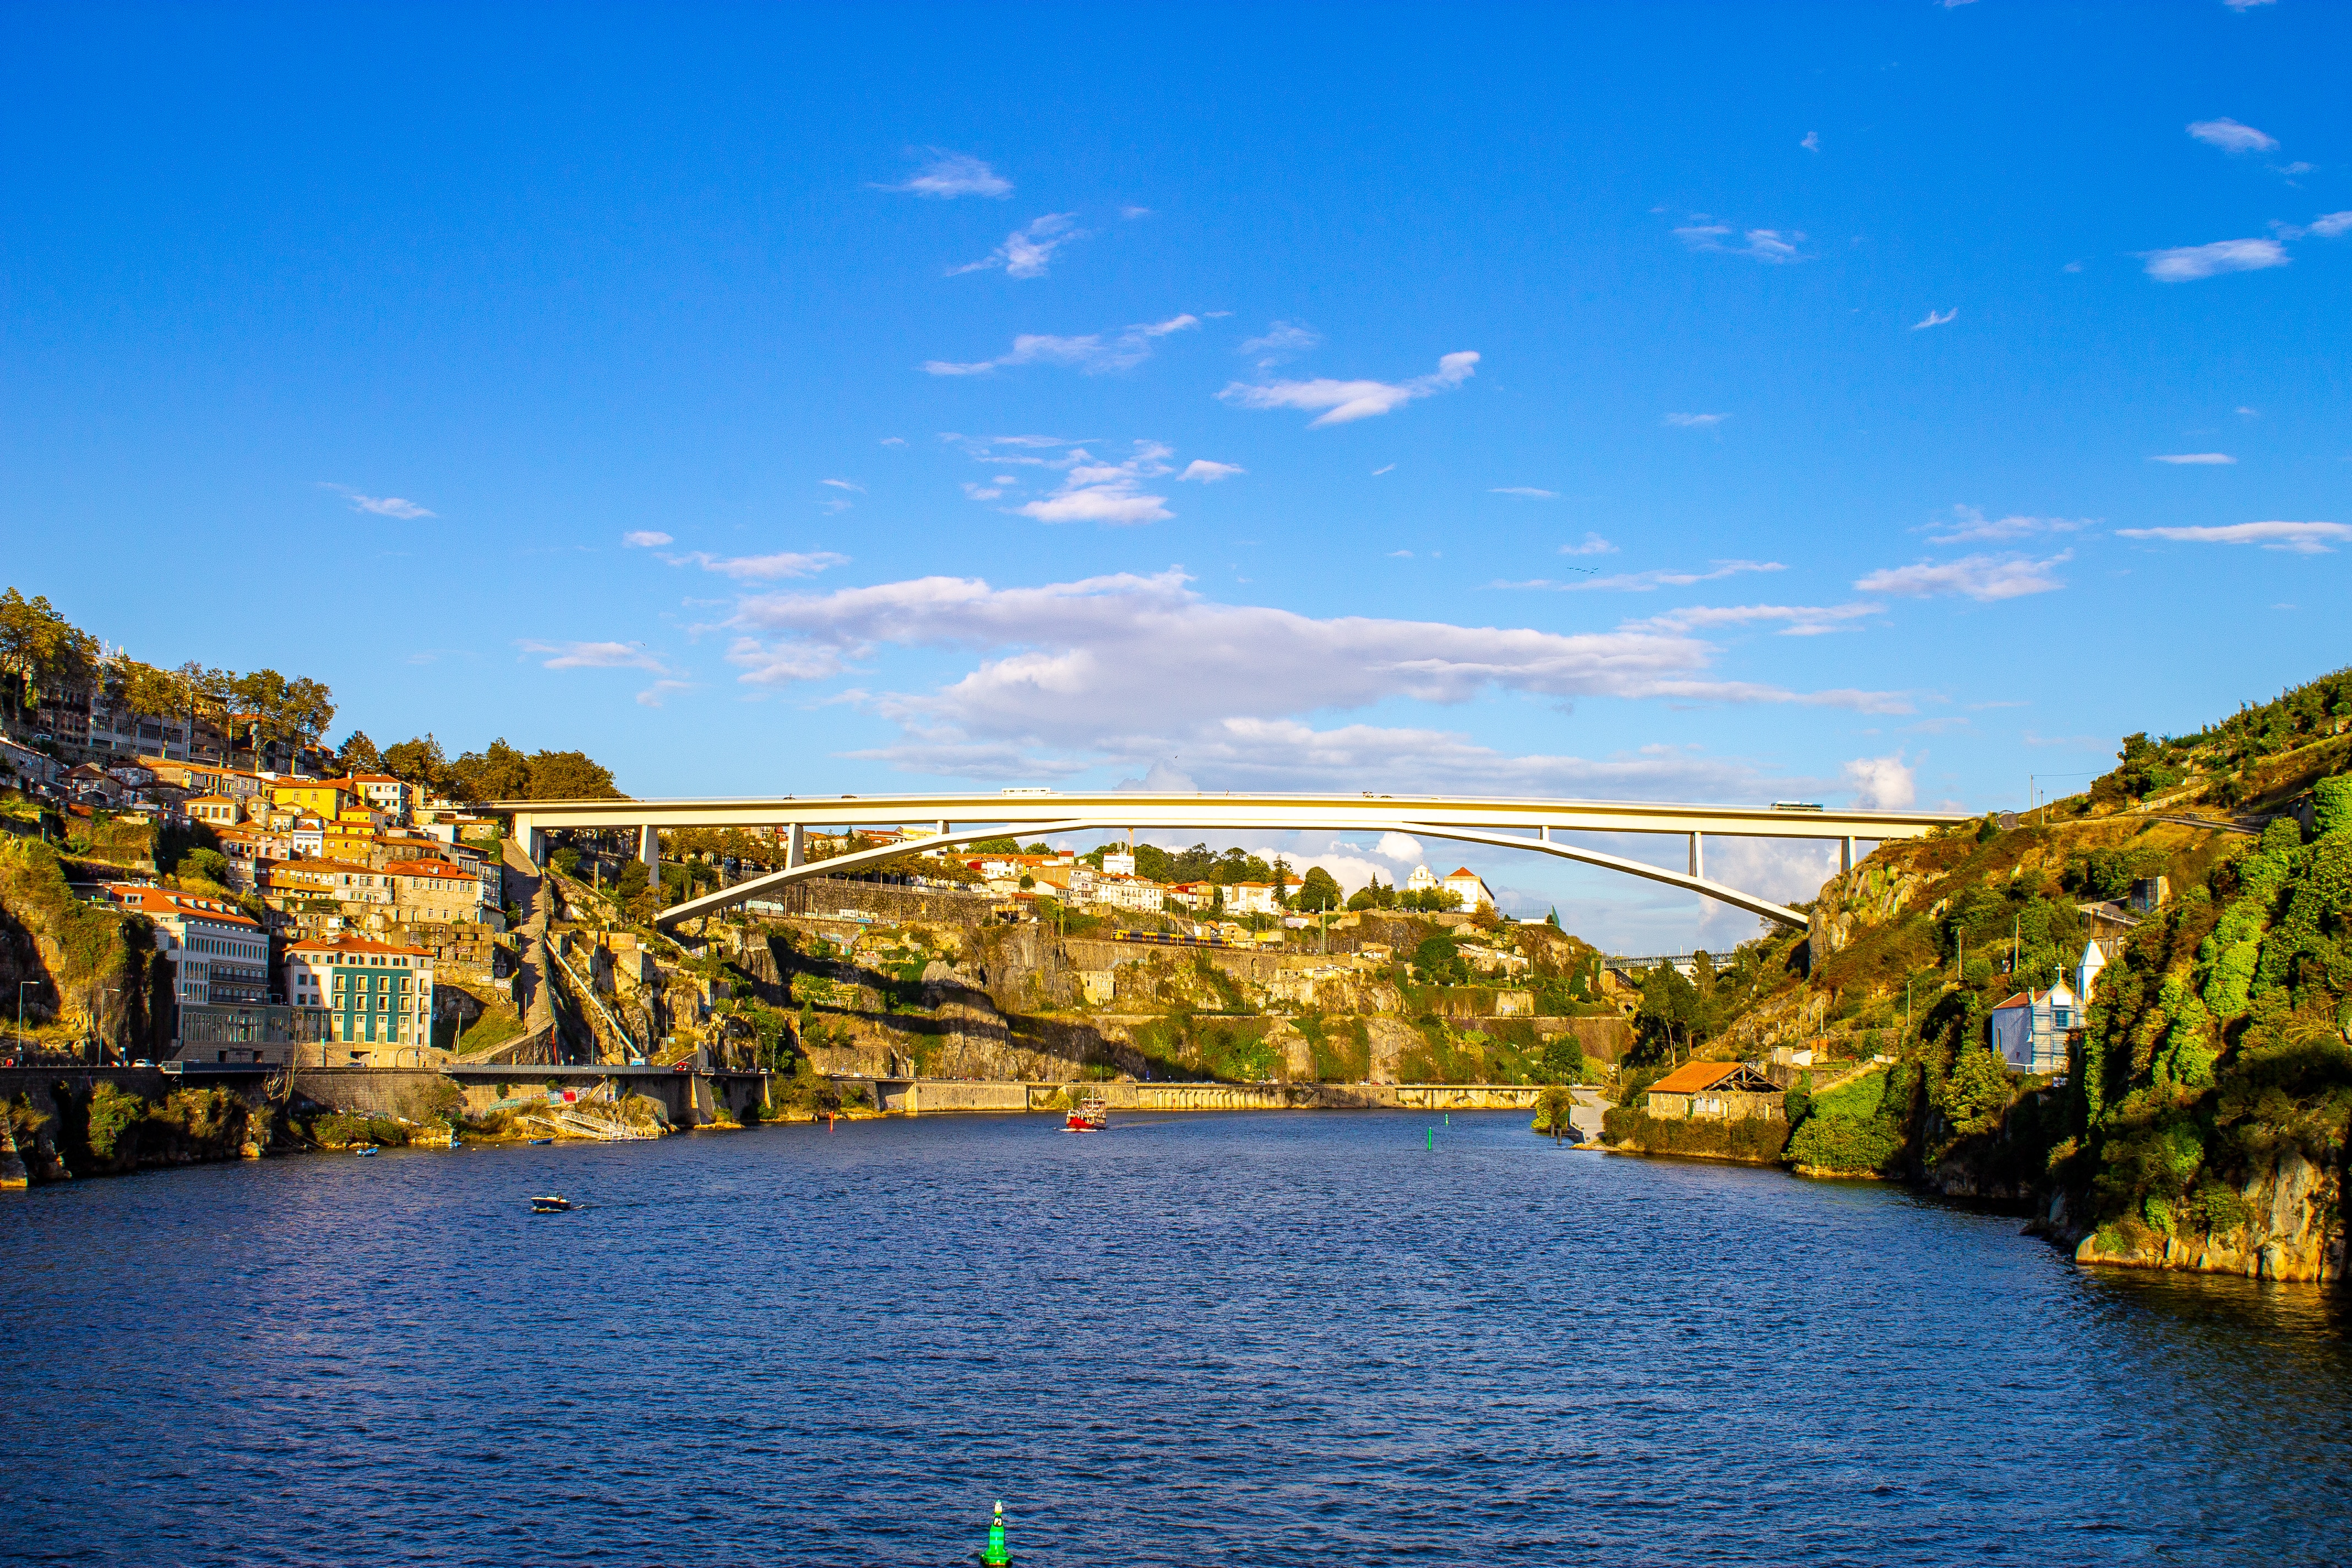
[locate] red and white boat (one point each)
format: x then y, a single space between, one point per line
1089 1115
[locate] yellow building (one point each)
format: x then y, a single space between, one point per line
326 798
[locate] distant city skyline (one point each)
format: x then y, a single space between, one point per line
1873 406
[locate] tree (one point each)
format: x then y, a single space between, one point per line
420 763
358 754
570 776
1319 891
1553 1106
1439 960
497 772
41 649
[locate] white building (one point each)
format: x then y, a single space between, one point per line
1471 889
1118 863
1251 898
380 997
2029 1030
2086 973
221 954
1139 893
1422 881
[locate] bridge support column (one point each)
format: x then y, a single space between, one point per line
534 841
795 847
649 851
1845 853
1699 855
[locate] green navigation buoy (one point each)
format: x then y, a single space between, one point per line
996 1552
1429 1137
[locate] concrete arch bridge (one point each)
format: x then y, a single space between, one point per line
1532 825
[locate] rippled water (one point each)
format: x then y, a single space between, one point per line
1254 1338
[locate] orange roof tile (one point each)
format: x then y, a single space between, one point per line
359 945
1692 1077
149 900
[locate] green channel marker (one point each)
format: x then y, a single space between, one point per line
995 1553
1430 1134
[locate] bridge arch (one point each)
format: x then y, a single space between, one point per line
964 818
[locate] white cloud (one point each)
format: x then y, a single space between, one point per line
644 539
842 485
1112 493
952 174
1968 526
1590 545
2195 459
2231 137
2249 413
1385 468
1208 473
2302 538
653 696
1160 778
1347 401
2188 262
2331 225
1694 421
379 506
1760 244
894 440
1528 490
1985 578
2244 5
1801 620
1813 142
1283 340
762 568
1882 783
593 655
1082 665
1026 252
1649 582
1095 354
1403 848
1937 319
1131 213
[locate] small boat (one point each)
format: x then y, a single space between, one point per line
1091 1114
551 1205
363 1148
537 1142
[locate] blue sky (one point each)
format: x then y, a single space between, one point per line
1716 402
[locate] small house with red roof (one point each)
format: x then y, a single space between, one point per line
1716 1091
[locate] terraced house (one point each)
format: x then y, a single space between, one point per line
379 996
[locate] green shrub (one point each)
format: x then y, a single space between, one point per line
113 1126
1842 1143
1754 1139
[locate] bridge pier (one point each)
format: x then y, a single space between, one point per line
649 851
1699 855
795 847
1845 853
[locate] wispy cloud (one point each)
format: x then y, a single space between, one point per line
1110 493
2332 225
1203 471
843 484
952 175
1384 468
1095 353
654 695
2244 5
644 539
1343 402
1813 142
1937 319
1027 252
2300 538
1283 340
378 506
593 655
1771 245
1797 620
1528 490
1590 545
1967 525
1648 582
1985 578
2195 459
1693 421
2187 263
1080 666
2231 137
762 568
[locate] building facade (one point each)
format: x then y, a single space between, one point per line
379 996
2029 1030
221 955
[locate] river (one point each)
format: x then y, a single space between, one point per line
1327 1339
